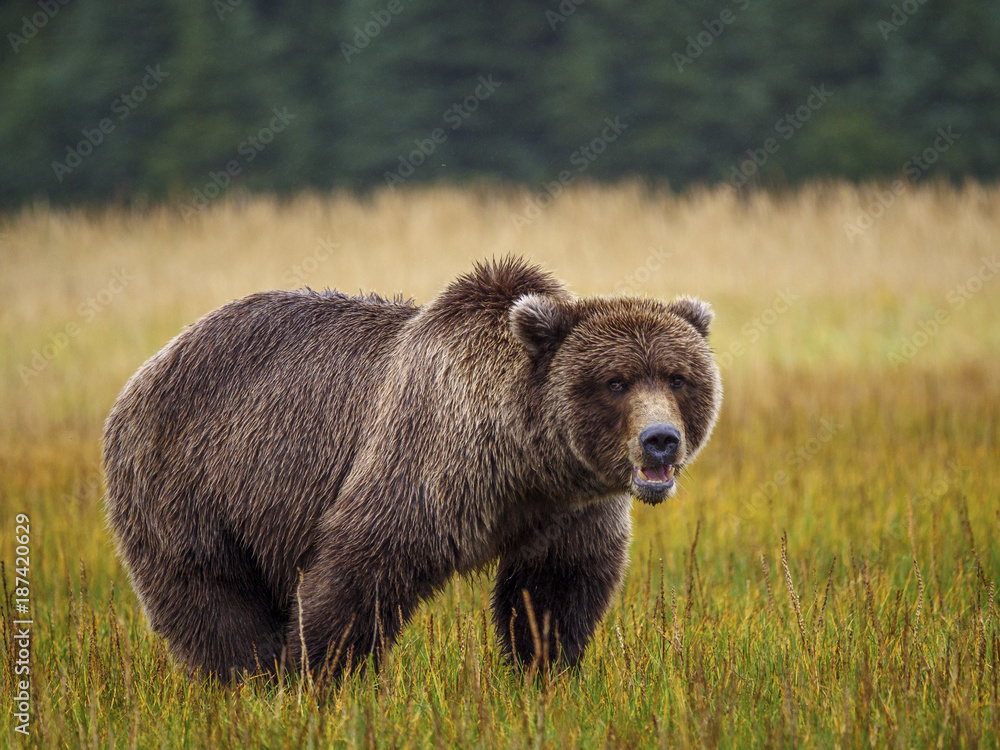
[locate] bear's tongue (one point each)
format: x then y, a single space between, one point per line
657 473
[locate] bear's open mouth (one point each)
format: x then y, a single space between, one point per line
654 477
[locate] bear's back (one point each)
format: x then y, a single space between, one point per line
270 393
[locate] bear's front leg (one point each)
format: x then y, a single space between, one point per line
354 598
570 565
340 617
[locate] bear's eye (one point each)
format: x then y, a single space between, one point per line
676 382
616 385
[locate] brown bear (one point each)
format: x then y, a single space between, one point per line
294 472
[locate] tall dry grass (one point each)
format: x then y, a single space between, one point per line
826 575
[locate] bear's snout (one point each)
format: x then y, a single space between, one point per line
656 454
659 443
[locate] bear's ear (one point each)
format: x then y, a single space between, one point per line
540 322
699 314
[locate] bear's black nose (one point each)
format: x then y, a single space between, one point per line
659 442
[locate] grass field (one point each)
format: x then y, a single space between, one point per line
826 576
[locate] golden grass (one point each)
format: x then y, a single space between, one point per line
826 575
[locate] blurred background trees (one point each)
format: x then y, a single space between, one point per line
426 91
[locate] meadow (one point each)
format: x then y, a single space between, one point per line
825 577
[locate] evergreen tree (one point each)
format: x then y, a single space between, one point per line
172 98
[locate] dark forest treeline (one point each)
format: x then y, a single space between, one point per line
181 99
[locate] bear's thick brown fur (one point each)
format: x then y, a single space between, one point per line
376 448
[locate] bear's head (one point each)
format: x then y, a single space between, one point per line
629 385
